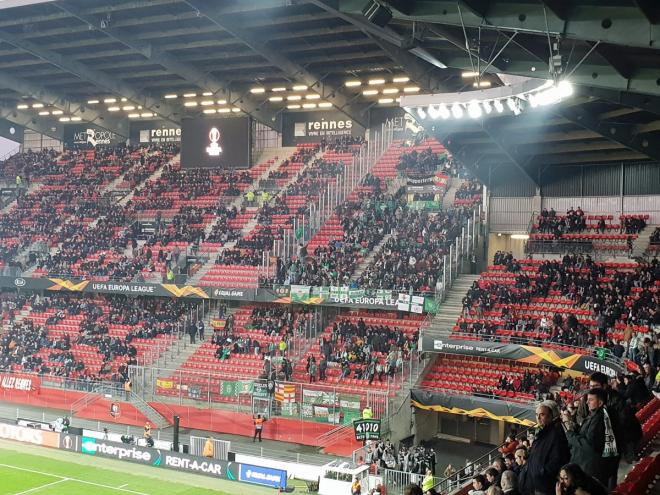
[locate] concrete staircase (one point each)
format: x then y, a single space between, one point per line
248 227
453 185
372 255
641 244
452 307
154 417
157 173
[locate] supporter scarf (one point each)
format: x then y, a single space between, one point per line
610 449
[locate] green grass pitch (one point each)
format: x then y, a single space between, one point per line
24 474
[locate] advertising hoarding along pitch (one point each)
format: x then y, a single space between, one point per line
273 478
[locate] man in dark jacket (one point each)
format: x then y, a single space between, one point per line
593 445
548 453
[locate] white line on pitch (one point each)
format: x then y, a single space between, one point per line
64 478
37 488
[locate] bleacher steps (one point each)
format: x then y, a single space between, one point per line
450 309
641 244
454 185
157 173
372 255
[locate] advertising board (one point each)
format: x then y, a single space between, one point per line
257 475
215 143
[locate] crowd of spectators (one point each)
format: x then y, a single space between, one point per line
415 459
366 352
31 164
468 189
574 221
413 257
364 223
420 163
608 297
342 144
22 343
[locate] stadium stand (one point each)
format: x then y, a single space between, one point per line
491 378
526 300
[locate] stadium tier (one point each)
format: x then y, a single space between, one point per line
316 248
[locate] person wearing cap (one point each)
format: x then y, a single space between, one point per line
549 452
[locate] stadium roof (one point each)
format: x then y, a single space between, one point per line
264 56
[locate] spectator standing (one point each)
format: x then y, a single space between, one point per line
549 452
200 329
593 444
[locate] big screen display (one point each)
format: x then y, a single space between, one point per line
215 143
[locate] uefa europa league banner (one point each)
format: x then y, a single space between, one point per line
527 354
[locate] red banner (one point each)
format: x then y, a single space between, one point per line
22 383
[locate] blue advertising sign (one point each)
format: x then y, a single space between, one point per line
274 478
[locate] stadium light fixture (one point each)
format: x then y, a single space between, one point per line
411 89
375 82
37 105
474 110
421 113
235 110
190 104
434 112
57 112
370 92
113 109
309 105
325 104
169 97
352 84
207 103
189 95
224 110
293 107
275 98
133 115
257 90
390 91
92 102
76 119
278 89
45 112
124 100
22 106
481 84
444 112
110 100
498 106
469 73
520 237
209 110
401 79
385 101
294 97
207 93
313 96
128 108
65 119
221 102
300 87
488 108
146 114
457 111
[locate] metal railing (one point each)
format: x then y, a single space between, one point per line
463 247
316 401
221 448
335 193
